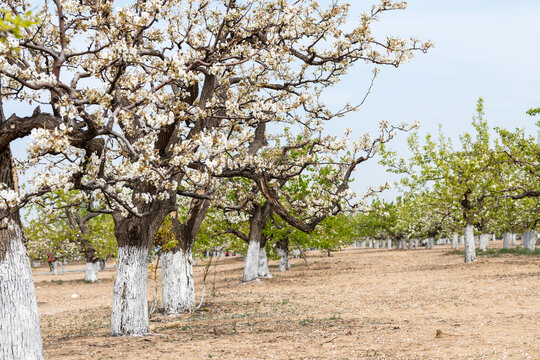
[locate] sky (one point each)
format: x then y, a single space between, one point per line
486 48
482 48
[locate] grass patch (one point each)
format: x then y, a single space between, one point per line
517 251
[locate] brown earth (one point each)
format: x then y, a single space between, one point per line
357 304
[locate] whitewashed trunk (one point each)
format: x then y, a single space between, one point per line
370 243
410 244
483 242
389 243
263 271
416 241
513 239
493 238
376 244
507 240
363 244
470 251
462 240
91 273
20 336
178 289
529 240
251 263
454 241
284 264
130 304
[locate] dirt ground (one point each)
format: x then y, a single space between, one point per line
357 304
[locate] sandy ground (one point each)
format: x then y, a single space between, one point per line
358 304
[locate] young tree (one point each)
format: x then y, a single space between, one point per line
459 180
66 225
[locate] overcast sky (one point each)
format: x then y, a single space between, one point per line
487 48
482 48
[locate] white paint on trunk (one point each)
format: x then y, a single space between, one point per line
284 264
91 274
483 242
177 286
251 264
454 241
389 243
470 251
416 242
513 239
529 240
507 239
130 304
264 271
376 244
363 244
409 245
20 336
462 240
370 243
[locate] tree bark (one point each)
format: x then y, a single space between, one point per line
389 243
470 251
91 273
283 252
483 242
255 239
20 335
178 289
529 240
507 239
264 271
130 306
454 241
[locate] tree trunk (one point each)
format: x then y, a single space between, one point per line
454 241
416 243
20 335
513 239
529 240
91 274
507 239
376 244
483 242
251 264
130 305
470 252
462 240
178 290
263 271
283 252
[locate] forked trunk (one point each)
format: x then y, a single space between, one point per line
91 273
130 307
178 290
470 251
